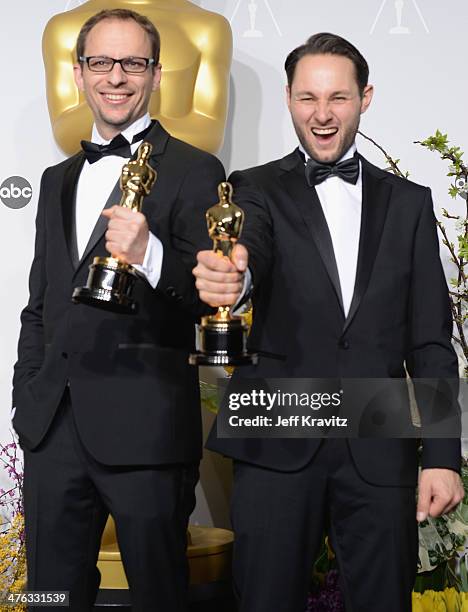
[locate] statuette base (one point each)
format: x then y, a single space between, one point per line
109 286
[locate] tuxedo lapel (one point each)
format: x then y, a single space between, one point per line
376 192
306 200
101 224
68 200
158 137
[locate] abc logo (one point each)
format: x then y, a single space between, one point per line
15 192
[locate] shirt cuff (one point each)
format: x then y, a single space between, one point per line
241 305
152 262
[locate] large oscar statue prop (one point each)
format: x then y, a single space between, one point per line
110 281
223 336
196 59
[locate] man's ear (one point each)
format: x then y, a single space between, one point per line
78 76
288 96
366 97
156 76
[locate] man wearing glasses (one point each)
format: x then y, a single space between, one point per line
107 407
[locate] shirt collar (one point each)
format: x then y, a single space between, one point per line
137 126
349 153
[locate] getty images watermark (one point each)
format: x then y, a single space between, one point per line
259 398
15 192
353 408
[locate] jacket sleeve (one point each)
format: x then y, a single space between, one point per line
189 234
31 340
257 232
430 354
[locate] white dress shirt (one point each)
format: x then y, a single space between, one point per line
342 204
95 184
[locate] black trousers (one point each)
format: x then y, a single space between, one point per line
279 519
68 497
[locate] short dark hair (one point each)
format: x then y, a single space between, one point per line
330 44
122 15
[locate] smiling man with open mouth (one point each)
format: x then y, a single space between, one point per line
326 101
340 253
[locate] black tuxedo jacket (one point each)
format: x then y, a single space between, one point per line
134 396
399 314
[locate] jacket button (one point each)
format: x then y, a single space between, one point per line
65 355
344 344
171 291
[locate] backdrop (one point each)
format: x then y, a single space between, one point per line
418 66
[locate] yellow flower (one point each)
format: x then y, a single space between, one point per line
463 602
429 601
13 562
452 599
417 605
440 601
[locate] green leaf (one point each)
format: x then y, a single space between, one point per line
462 247
438 142
463 575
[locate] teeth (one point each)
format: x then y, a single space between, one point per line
324 131
115 96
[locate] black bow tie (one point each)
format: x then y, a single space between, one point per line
117 146
348 170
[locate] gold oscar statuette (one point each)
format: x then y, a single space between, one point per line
222 336
110 281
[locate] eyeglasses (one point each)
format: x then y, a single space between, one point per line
131 65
